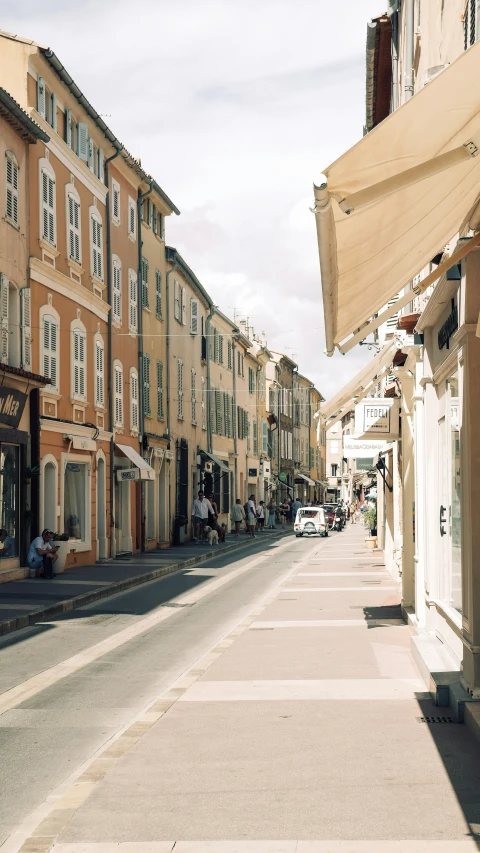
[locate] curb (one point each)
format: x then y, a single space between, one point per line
68 604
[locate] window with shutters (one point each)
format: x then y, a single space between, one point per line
264 437
215 344
176 301
160 413
218 412
229 355
144 282
73 225
211 342
47 195
180 389
97 246
255 439
26 328
116 202
158 294
471 23
41 97
242 360
132 219
203 403
194 312
99 170
118 393
82 141
79 391
117 290
50 350
134 409
11 211
193 393
132 301
246 429
251 381
154 220
99 356
220 349
4 318
147 405
184 306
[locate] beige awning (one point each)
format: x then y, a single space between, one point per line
394 200
145 471
344 400
308 480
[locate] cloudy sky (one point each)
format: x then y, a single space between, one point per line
235 107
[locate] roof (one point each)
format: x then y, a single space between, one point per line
175 258
21 122
280 356
19 371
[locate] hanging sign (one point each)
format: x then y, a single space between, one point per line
12 404
358 448
377 416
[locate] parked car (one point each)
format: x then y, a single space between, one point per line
311 520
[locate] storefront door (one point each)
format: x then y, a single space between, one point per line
9 499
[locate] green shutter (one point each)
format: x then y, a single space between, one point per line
146 383
159 390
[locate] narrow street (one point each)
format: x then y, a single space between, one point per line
263 701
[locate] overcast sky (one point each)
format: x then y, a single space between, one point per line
235 107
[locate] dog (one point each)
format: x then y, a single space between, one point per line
221 533
212 536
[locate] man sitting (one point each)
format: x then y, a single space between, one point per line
43 553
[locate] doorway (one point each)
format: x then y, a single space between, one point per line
101 511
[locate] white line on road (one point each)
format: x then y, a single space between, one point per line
339 588
338 574
464 845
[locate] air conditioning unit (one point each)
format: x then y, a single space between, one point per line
208 468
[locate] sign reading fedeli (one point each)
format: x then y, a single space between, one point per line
377 416
12 404
361 448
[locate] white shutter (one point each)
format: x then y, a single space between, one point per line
4 320
132 302
73 228
176 300
68 127
118 396
180 388
131 217
48 208
50 351
79 364
90 154
117 292
115 202
100 165
26 323
194 316
146 383
204 410
12 191
184 306
41 99
99 374
82 140
134 400
54 111
97 249
193 380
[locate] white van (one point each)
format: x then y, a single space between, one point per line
311 520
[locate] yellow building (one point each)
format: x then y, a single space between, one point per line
220 463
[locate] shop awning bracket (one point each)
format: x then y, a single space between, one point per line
381 467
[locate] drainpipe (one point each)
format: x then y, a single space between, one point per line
113 543
141 395
235 419
409 39
167 395
209 390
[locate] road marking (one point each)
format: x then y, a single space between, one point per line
464 845
340 574
329 623
351 689
16 695
339 588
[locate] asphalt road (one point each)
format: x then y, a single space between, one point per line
69 685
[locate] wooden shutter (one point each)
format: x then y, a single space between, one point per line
12 191
82 141
146 384
100 165
90 154
180 388
26 327
48 208
97 248
99 374
176 300
134 400
68 127
132 302
50 350
131 217
158 293
54 111
118 396
159 390
229 355
194 305
73 228
204 411
264 437
78 364
4 300
117 291
220 349
215 345
115 202
193 380
255 439
184 306
41 96
145 282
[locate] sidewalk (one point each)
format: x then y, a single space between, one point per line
31 600
308 728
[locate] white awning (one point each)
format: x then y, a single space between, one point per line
146 472
304 477
358 387
394 200
221 464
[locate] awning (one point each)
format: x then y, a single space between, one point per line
394 200
145 471
304 477
217 461
358 387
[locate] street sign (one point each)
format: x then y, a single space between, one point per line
363 448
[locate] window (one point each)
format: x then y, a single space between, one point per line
180 389
155 220
146 384
79 384
220 349
144 282
334 468
117 290
115 202
41 97
158 294
82 141
194 305
176 299
74 242
50 351
132 218
215 345
75 500
184 306
97 247
160 414
26 328
264 437
193 379
48 206
118 393
255 439
99 166
251 381
4 318
134 400
219 422
229 355
12 189
99 373
68 127
203 404
132 301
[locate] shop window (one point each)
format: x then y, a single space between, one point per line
9 493
75 510
455 487
50 496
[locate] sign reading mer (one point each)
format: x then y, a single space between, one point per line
12 404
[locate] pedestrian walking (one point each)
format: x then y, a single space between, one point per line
271 519
200 514
261 515
251 516
296 506
353 510
237 514
43 553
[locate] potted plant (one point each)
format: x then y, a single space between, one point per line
61 540
370 521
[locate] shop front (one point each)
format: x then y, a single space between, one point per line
157 494
131 473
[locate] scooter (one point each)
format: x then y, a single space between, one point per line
340 519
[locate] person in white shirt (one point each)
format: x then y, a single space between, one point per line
43 553
251 516
200 510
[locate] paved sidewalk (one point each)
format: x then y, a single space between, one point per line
304 731
31 600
